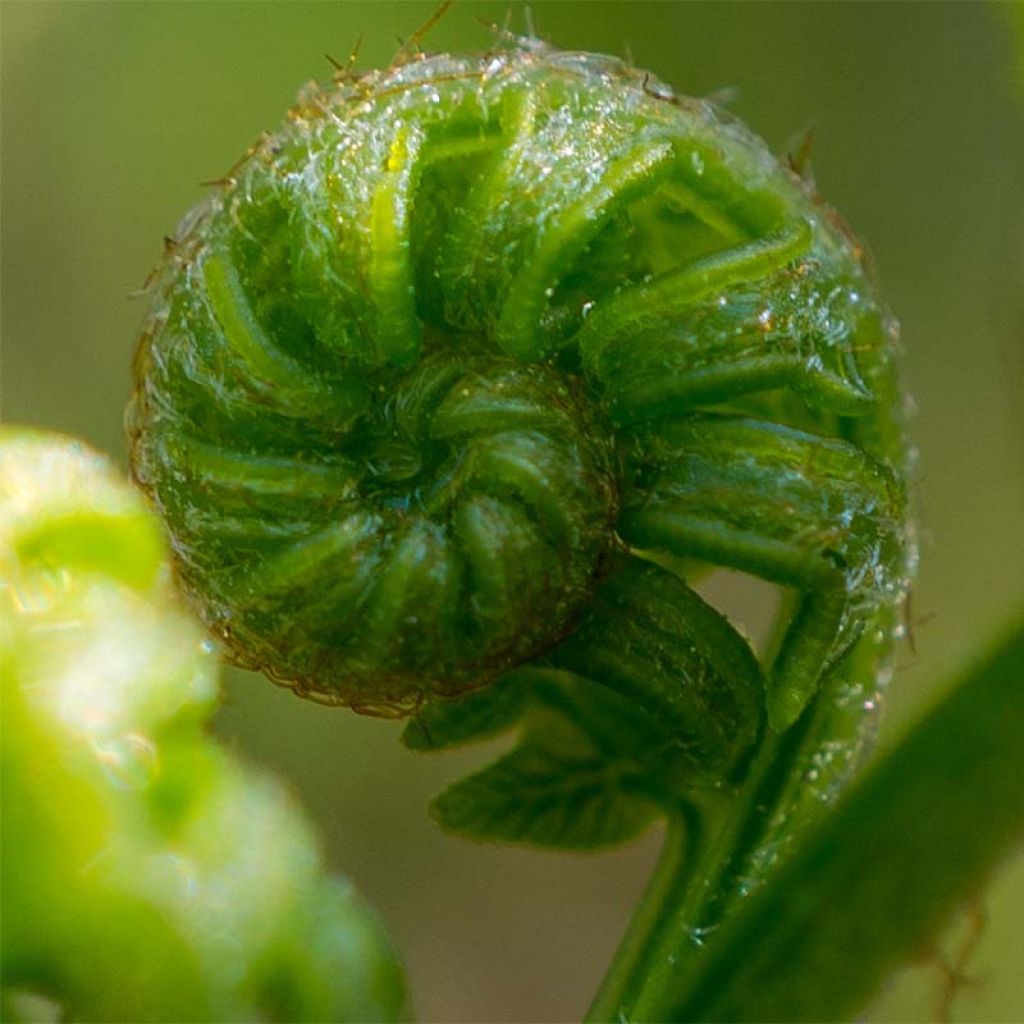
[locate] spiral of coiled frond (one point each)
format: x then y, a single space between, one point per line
470 334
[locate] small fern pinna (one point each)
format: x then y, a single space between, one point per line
460 380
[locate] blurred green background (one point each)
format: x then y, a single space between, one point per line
114 112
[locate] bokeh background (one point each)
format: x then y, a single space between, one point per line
113 113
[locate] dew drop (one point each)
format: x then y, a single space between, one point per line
698 936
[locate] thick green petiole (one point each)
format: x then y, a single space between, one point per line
675 868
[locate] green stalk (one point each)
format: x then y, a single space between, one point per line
667 884
690 883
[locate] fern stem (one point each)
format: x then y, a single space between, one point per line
731 841
671 876
682 901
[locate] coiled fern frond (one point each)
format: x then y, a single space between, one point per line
470 334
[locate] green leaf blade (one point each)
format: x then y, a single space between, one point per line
545 794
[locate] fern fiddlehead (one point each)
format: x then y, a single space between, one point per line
454 376
146 874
